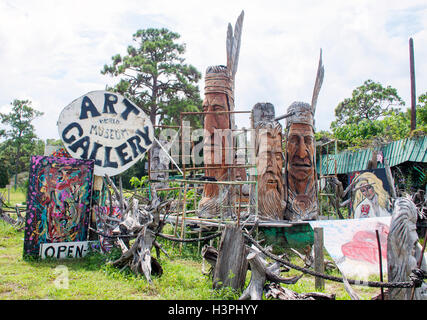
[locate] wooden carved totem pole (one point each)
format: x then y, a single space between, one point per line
218 122
302 202
269 162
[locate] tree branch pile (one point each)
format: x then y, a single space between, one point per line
142 222
19 223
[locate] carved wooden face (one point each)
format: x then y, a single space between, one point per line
269 163
214 102
300 152
269 157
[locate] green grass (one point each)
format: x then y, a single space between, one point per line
91 278
17 196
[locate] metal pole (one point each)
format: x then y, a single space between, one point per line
413 96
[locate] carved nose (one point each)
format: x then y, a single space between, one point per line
302 150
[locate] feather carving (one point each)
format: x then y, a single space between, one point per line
229 45
318 83
233 44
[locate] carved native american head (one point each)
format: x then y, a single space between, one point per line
302 203
269 162
218 122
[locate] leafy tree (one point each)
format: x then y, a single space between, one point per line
21 140
370 101
154 76
393 126
421 123
4 174
54 142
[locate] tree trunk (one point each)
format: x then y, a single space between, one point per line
231 266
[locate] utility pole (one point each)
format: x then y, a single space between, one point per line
413 95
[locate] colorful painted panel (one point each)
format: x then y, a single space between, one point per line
370 195
352 243
58 201
106 221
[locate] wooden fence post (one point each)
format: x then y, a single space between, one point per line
319 266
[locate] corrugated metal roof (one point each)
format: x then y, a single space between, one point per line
410 149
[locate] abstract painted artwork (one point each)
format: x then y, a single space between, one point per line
58 201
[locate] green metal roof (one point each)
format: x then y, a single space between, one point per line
410 149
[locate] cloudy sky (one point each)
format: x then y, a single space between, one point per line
51 52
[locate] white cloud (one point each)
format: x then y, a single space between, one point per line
52 51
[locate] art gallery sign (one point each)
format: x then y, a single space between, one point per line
108 128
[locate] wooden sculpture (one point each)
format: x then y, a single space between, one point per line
218 122
159 163
403 251
302 202
269 162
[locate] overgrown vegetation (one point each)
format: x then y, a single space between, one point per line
373 116
93 278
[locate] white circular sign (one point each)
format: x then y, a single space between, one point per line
107 128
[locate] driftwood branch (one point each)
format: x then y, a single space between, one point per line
276 291
210 254
261 272
140 220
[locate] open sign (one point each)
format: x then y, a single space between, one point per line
108 128
61 250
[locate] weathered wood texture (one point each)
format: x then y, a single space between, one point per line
276 291
319 265
210 254
231 267
261 272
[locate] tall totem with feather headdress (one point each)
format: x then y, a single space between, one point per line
301 181
218 122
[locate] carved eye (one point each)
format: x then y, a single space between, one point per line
308 139
294 139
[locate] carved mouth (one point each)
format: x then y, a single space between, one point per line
271 182
301 165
